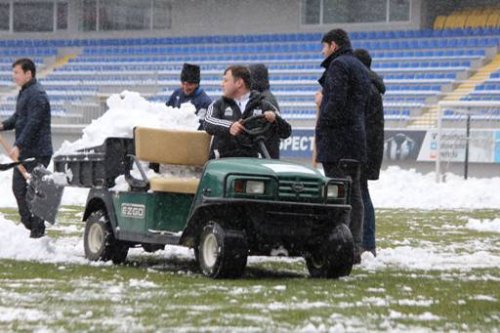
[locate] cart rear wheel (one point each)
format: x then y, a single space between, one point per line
222 253
99 241
333 259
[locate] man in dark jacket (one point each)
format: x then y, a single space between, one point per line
223 119
340 127
260 83
190 91
31 122
374 125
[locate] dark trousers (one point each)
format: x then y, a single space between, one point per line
20 188
351 170
369 221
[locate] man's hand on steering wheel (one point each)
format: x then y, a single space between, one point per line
236 128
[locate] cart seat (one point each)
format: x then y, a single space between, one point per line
175 147
174 184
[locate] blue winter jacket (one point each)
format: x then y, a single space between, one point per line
31 122
340 128
198 98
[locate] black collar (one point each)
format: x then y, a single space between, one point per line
343 50
28 84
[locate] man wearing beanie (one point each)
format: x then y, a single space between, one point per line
190 91
340 128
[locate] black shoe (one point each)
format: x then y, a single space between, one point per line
36 233
37 228
27 224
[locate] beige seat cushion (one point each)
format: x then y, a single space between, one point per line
174 184
172 146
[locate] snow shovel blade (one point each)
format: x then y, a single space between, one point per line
44 194
7 166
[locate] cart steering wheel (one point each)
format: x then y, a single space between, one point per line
256 126
258 130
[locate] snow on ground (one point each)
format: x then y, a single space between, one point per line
484 225
434 258
17 245
399 188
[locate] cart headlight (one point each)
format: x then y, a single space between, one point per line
334 191
249 186
255 187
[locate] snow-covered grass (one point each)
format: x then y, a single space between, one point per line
434 272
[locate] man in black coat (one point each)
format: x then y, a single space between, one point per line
260 83
223 119
374 125
31 122
190 91
340 127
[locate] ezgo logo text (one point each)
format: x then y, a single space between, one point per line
134 211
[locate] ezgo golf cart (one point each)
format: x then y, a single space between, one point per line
237 207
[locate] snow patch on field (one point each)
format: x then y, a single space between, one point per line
484 225
11 314
399 188
429 259
16 244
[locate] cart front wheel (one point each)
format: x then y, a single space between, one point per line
99 241
222 253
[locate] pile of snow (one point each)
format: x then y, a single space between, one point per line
128 110
17 245
430 258
399 188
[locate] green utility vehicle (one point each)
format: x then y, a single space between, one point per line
236 208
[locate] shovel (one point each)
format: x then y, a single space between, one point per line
7 166
44 194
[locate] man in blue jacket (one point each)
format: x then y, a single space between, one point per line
190 91
31 122
340 127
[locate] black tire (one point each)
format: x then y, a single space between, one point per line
99 242
222 253
335 258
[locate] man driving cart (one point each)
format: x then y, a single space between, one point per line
225 117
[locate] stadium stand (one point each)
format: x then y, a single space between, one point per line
419 67
488 17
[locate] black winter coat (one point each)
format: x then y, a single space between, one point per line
283 131
375 127
222 113
260 82
340 129
31 122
